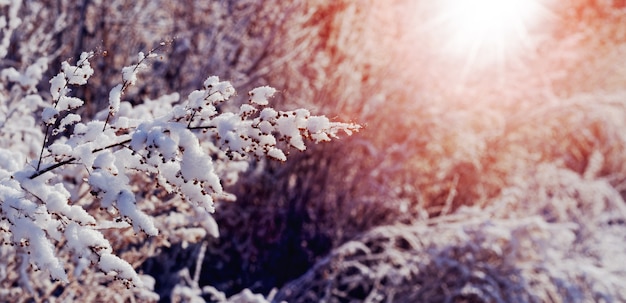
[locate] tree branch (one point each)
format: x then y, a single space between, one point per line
72 159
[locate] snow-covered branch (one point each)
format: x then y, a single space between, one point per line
43 215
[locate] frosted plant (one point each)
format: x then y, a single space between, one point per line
124 161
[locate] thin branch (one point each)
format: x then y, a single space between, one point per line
43 146
191 118
55 103
199 260
126 83
72 159
202 127
107 119
49 168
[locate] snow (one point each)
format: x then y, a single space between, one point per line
196 99
84 153
91 132
260 95
109 263
83 240
277 154
211 81
57 86
9 162
265 127
246 110
196 166
268 113
49 115
246 296
40 248
69 120
30 78
317 124
115 97
70 202
79 74
66 103
127 207
129 74
287 126
105 160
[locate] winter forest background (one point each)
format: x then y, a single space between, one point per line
469 162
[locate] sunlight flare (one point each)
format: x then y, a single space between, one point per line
488 31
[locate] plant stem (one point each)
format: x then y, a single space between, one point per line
72 159
43 146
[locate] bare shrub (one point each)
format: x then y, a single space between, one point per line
552 237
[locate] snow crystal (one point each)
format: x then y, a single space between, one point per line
196 99
148 281
265 127
317 124
78 74
66 103
83 240
246 110
260 95
13 203
41 250
287 127
129 74
115 97
9 162
139 137
104 160
268 114
247 296
57 197
226 123
194 194
102 180
57 85
81 265
84 152
277 154
49 115
196 166
166 146
267 140
210 81
91 133
127 207
320 137
225 89
110 263
69 120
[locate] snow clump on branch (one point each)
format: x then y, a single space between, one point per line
185 148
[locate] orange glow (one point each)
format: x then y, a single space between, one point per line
487 31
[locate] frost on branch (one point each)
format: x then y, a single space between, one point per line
256 129
120 178
129 77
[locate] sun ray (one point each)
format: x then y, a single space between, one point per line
486 32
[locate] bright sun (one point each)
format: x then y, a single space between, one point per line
486 31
